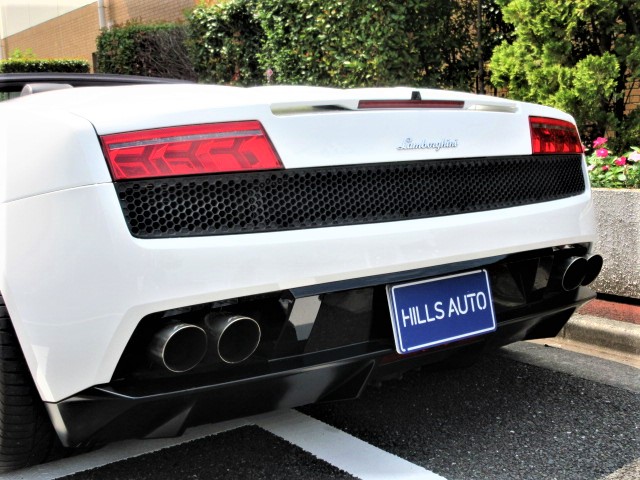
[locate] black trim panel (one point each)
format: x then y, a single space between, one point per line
13 82
111 412
395 277
270 201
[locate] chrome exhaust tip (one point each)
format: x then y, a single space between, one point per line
594 266
234 337
178 347
571 272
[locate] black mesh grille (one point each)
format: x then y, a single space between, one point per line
342 195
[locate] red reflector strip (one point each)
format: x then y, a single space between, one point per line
190 150
550 135
410 104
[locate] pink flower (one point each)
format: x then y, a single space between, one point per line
590 167
605 168
620 161
602 152
634 157
599 141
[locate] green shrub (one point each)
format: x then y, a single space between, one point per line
155 50
335 43
579 56
606 169
367 42
224 43
30 65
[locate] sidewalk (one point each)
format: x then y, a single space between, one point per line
607 329
622 312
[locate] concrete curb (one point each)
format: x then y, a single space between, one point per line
619 337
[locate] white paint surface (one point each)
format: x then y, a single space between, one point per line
340 449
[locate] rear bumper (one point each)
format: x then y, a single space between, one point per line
100 281
161 408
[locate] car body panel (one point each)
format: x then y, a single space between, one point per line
77 283
118 279
45 152
73 157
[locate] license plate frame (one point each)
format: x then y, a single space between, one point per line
427 313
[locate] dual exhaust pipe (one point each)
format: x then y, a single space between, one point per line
179 347
232 339
575 271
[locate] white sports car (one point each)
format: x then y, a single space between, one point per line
173 253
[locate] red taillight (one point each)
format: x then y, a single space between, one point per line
190 150
549 135
410 104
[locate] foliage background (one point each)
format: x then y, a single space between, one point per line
580 56
58 66
608 170
367 43
429 43
152 50
225 40
25 62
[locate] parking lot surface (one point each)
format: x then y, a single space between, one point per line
528 412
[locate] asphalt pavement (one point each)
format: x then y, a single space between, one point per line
501 419
527 412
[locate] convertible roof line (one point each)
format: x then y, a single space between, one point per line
15 81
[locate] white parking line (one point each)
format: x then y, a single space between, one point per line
329 444
628 472
340 449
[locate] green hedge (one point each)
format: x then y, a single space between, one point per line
155 50
336 43
225 41
581 57
366 42
319 42
33 65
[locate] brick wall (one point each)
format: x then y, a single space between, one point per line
72 35
120 11
634 96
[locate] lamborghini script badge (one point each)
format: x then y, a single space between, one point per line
410 144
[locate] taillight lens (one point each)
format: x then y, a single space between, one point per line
550 135
190 150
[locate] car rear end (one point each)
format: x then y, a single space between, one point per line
184 253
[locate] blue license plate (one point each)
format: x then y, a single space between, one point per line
441 310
